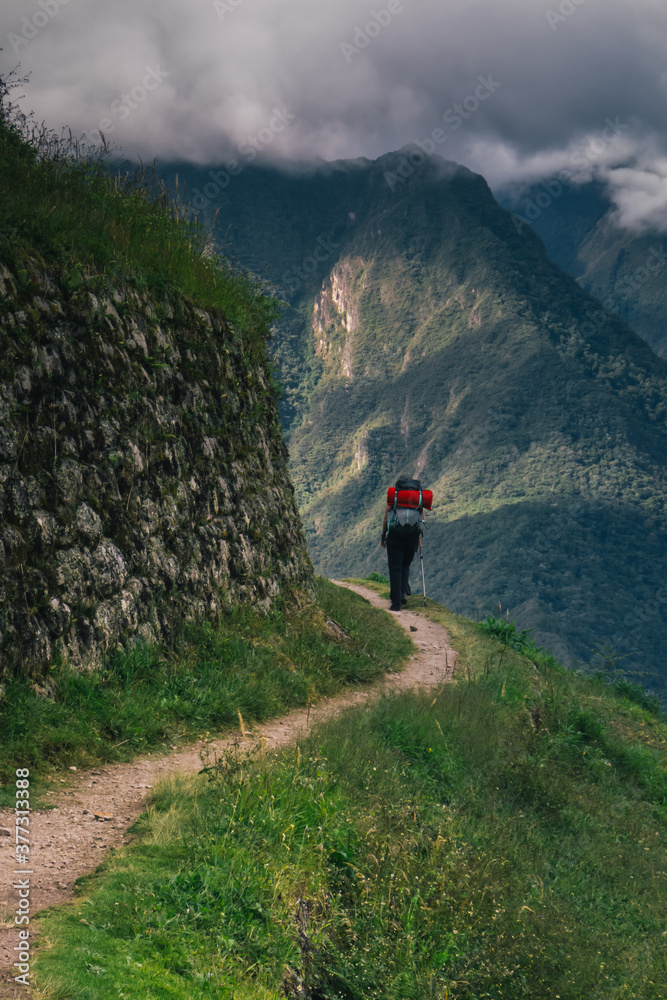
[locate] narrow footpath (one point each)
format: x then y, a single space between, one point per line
95 809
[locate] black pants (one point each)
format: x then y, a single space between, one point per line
400 553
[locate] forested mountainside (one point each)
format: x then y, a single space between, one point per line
424 332
623 268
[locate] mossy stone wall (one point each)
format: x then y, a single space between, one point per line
143 476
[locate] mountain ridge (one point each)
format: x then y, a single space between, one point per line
580 231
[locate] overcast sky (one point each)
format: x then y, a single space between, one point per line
541 85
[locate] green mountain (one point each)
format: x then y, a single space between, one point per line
624 270
425 333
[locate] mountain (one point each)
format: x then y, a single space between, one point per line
626 271
425 333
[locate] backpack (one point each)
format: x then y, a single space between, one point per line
408 501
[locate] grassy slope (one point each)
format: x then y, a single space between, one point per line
69 211
505 839
259 666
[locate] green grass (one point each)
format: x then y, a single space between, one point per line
148 697
505 839
605 671
506 631
66 205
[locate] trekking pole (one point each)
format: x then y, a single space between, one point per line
421 556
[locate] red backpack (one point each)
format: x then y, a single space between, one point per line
408 500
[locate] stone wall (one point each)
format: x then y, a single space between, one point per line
143 476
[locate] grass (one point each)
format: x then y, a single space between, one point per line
505 839
604 668
64 203
506 631
147 698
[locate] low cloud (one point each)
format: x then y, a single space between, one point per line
640 194
358 79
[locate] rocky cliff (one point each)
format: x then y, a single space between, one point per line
142 469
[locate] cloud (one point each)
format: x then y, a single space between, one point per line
640 194
585 157
357 78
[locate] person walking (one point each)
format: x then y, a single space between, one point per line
401 529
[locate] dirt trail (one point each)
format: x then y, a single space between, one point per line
68 840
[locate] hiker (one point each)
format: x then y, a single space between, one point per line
401 529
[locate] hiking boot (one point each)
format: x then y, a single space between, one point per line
395 607
404 599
